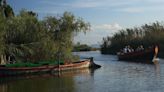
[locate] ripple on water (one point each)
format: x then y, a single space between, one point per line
113 76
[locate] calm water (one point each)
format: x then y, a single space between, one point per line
113 76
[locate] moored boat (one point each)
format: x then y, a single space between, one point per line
9 71
146 55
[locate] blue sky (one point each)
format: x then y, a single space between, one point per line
105 16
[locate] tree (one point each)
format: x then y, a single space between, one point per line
147 35
27 39
5 9
62 29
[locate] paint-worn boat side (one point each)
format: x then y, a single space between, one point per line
144 55
8 71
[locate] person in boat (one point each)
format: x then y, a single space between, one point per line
140 48
128 49
125 50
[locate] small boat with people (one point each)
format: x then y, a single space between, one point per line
139 55
44 67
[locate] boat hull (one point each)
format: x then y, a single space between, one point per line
140 56
11 71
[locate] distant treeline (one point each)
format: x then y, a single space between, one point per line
83 47
146 35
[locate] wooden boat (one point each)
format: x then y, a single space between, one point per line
9 71
146 55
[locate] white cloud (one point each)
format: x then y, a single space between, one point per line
155 1
127 6
76 4
85 5
140 9
131 10
97 4
114 27
98 32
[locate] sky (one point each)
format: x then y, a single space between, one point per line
106 17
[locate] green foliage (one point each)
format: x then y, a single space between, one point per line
82 47
147 35
62 30
29 39
25 38
5 9
2 32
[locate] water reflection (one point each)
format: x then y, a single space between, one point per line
44 83
157 68
113 76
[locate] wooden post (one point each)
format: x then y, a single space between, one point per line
91 62
91 59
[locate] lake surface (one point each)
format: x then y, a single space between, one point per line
113 76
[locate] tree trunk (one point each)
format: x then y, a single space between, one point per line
3 60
